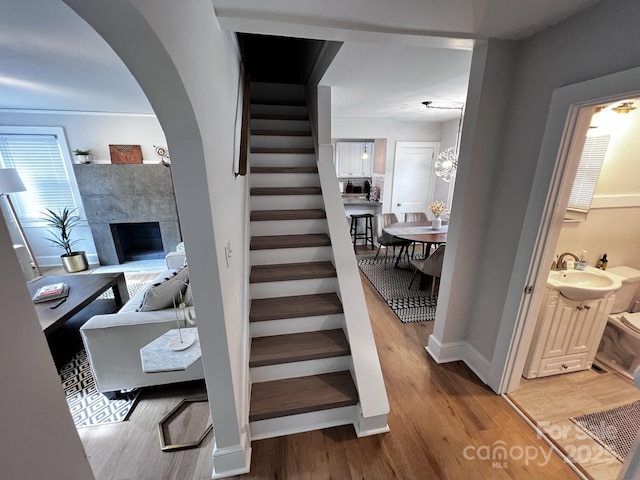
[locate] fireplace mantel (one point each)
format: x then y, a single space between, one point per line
127 193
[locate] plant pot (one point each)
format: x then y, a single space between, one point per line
84 158
436 223
76 262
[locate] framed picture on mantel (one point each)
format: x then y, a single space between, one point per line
125 153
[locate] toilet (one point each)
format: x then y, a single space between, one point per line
620 345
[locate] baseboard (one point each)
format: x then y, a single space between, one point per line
456 351
233 460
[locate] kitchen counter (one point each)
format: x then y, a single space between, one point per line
359 201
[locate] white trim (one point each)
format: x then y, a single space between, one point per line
75 112
232 460
615 201
304 422
459 351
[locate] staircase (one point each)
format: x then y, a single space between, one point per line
300 361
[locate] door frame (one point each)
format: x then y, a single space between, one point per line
568 119
432 174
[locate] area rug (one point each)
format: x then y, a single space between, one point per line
393 286
88 406
614 429
132 288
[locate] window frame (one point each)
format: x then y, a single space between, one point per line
59 133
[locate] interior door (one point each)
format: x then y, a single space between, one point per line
413 177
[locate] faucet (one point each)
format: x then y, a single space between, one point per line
562 264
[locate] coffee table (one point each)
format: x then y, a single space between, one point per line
83 289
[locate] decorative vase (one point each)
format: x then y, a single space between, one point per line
436 223
76 262
84 158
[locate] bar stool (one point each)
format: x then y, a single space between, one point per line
367 236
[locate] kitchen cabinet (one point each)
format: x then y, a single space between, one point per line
349 162
567 334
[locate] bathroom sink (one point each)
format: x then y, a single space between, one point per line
587 284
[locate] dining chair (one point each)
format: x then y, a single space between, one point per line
383 238
432 266
417 217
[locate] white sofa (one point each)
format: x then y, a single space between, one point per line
113 344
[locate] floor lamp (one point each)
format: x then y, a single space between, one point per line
10 182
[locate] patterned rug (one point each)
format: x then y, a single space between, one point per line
393 286
88 406
132 288
614 429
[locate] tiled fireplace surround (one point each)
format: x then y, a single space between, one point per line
127 194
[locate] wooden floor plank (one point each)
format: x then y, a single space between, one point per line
301 214
286 191
291 271
292 396
270 242
264 309
298 347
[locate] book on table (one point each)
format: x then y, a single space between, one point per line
51 292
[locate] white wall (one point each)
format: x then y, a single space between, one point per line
196 100
39 439
597 42
612 230
393 131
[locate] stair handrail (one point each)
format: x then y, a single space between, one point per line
245 128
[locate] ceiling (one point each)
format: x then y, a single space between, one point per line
50 59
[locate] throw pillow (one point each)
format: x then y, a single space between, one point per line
162 295
188 296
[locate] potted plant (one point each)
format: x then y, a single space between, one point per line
64 221
437 208
83 156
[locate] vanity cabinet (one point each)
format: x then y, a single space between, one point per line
567 334
349 162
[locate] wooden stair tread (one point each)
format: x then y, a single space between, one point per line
284 169
270 242
299 214
286 103
298 347
279 116
292 396
286 191
291 271
282 150
277 308
282 133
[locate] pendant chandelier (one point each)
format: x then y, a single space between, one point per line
446 164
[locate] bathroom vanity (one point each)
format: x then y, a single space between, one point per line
568 330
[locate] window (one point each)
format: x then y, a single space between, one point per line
43 168
584 185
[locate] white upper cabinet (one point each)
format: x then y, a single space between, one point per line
349 161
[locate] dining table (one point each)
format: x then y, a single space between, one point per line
421 232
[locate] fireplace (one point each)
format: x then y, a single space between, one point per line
134 195
137 241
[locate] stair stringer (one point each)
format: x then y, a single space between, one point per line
373 409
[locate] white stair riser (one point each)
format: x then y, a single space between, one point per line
285 202
277 91
289 227
284 180
279 141
306 422
282 159
268 124
279 109
291 255
296 325
287 288
300 369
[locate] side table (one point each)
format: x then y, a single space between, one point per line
158 357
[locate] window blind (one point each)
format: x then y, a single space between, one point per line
41 167
584 185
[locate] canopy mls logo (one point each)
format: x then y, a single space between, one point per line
499 454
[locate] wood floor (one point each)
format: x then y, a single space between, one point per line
551 401
437 414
